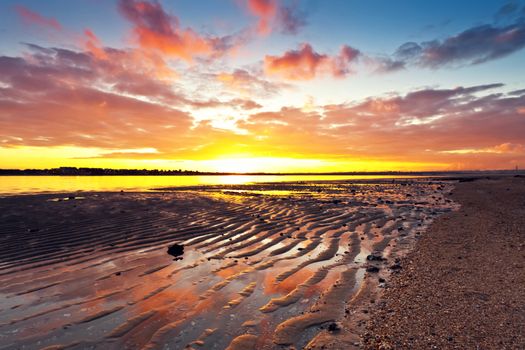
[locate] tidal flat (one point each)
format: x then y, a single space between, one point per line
260 266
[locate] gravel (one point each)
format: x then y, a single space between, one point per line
463 286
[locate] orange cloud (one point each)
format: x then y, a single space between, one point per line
509 148
32 17
155 29
117 104
94 45
306 64
504 148
379 128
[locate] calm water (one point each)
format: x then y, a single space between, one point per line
10 185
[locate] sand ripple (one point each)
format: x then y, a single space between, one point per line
259 270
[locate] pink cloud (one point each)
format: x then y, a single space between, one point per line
271 15
307 64
32 17
341 63
265 10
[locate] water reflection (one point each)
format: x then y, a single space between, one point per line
10 185
250 263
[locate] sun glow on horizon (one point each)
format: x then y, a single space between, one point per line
246 164
25 157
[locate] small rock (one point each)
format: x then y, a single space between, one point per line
374 257
396 266
372 269
176 250
334 327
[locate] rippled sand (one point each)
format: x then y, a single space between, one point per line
265 266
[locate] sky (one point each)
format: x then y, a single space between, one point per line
263 85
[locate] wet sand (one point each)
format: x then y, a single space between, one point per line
268 266
463 287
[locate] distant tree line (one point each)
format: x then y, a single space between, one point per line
73 171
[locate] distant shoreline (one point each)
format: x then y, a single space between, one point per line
71 171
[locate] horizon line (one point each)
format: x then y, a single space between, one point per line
74 171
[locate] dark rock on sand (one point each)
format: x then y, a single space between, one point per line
334 327
372 269
396 267
375 257
176 250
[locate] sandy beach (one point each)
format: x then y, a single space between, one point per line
463 287
268 266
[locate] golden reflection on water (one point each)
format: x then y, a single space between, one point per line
175 301
54 184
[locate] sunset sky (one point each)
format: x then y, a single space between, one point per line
263 85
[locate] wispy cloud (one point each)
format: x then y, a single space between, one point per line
32 17
504 148
472 46
247 83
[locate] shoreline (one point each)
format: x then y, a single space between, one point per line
463 284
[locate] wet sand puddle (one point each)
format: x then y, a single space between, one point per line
259 271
